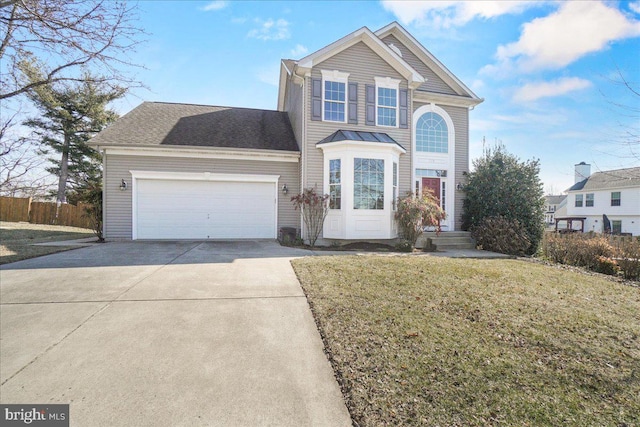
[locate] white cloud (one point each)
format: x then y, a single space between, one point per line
269 74
576 29
447 14
533 91
215 5
298 51
635 6
271 30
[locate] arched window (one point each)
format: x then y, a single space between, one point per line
432 134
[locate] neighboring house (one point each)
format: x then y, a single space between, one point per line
607 201
366 119
552 204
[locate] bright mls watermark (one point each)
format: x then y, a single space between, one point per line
34 415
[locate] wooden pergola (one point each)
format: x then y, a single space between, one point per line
570 220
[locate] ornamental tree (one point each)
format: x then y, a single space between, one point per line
314 209
414 213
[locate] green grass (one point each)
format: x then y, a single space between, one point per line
17 239
455 342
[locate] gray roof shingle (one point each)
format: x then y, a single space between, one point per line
618 178
161 123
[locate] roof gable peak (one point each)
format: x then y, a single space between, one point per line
366 36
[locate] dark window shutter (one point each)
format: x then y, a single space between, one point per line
404 110
353 103
316 99
370 119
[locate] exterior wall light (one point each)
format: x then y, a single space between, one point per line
123 185
459 187
285 189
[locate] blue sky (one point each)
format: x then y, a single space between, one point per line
548 71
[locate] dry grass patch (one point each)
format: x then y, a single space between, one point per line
17 239
459 342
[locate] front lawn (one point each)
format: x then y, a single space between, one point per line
17 239
460 342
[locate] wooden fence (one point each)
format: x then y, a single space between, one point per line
15 209
614 239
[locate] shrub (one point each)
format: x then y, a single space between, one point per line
628 255
606 265
93 211
503 235
501 185
314 210
414 213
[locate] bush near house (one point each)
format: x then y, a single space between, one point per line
413 214
594 252
503 235
314 209
502 185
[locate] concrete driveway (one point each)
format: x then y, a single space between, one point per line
166 333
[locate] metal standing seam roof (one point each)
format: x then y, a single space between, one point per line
354 135
189 125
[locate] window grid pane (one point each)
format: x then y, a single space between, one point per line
395 186
432 134
578 201
335 187
589 200
615 198
368 184
387 106
334 101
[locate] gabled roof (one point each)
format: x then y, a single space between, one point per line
427 57
555 199
366 36
613 179
168 124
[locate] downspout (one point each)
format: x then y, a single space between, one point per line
303 147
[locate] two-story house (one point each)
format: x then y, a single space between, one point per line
552 204
366 119
607 201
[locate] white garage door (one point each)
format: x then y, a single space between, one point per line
181 209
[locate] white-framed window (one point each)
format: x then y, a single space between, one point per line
432 134
334 96
368 183
395 186
578 203
615 198
387 101
335 184
588 202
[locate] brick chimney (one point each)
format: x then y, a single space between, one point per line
583 171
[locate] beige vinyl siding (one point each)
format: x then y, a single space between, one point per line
293 107
460 118
118 215
433 83
363 65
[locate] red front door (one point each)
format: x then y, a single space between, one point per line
432 184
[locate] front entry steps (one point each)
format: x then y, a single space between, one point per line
447 240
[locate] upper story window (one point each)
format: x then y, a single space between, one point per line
368 183
335 184
432 134
578 200
387 101
615 198
589 200
334 96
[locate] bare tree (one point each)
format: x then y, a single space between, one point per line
21 167
66 35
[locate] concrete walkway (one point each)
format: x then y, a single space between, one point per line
166 333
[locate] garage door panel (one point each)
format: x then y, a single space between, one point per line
176 209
